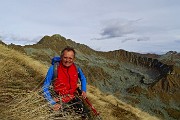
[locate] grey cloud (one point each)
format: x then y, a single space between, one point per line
116 28
143 39
177 41
138 39
127 39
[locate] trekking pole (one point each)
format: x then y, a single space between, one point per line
92 107
89 103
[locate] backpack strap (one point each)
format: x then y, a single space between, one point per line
76 67
55 67
55 62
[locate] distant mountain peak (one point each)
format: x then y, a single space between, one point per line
51 39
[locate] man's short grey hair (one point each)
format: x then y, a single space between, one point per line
68 48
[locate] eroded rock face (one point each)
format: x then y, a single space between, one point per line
141 60
165 85
164 88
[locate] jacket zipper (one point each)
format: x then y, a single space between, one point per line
68 78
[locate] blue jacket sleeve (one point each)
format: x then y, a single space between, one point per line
46 85
82 79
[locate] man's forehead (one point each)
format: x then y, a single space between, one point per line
68 53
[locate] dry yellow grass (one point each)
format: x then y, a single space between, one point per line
20 75
106 103
8 53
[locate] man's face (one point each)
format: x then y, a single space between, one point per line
68 58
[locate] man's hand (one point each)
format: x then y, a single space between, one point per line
56 107
84 94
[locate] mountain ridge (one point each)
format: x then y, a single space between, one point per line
133 77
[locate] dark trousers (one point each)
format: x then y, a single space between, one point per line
77 105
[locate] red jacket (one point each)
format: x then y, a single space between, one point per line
66 82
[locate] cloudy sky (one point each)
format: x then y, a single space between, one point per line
144 26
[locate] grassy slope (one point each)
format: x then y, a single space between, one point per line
20 94
19 77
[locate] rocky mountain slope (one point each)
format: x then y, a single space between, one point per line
148 82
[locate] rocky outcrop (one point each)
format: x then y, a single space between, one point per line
141 60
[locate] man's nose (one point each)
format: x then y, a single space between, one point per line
68 59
